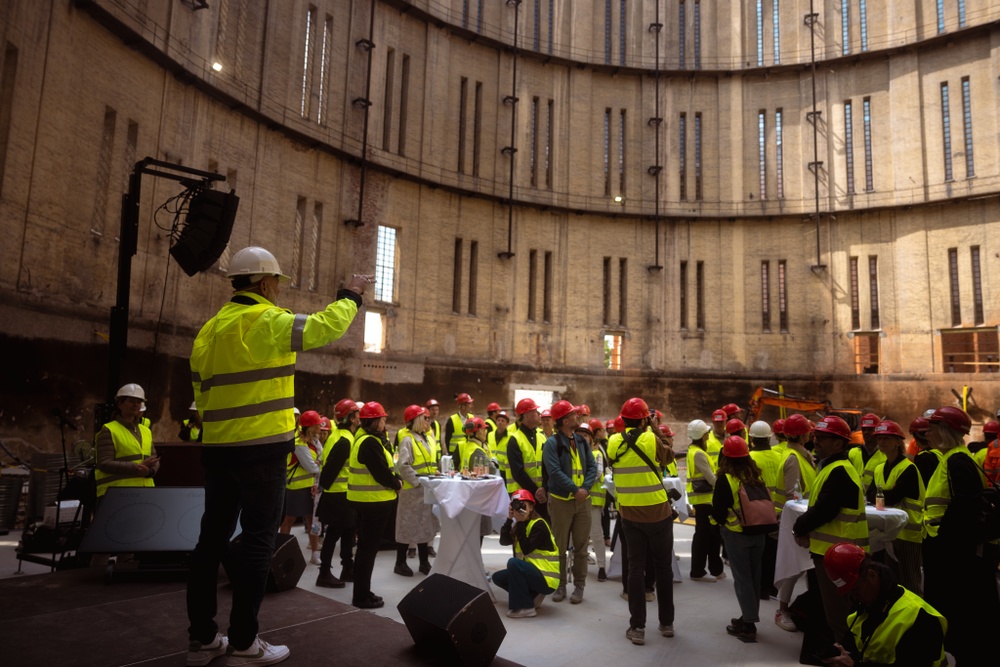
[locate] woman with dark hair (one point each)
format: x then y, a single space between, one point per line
744 546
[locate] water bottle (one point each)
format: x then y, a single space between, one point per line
796 493
316 528
879 498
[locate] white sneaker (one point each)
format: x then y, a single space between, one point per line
784 620
706 577
522 613
202 654
315 560
259 653
721 575
539 599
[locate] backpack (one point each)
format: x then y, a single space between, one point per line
758 513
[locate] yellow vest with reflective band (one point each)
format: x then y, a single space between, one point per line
468 448
145 421
361 486
865 470
436 429
499 450
546 561
713 446
693 474
339 484
577 465
881 646
807 471
914 507
128 449
598 494
938 494
457 431
851 525
531 455
434 444
733 513
423 458
194 431
297 477
491 425
771 468
636 484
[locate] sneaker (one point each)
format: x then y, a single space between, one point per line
667 630
539 599
720 576
602 574
577 596
522 613
591 560
746 632
315 560
705 577
259 653
559 595
327 580
202 654
650 596
403 569
424 568
411 552
783 619
431 552
636 635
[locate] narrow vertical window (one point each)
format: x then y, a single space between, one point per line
869 166
849 146
404 99
607 151
131 144
855 296
104 166
681 32
552 14
845 27
310 39
548 145
532 270
386 259
977 287
863 19
697 34
946 132
390 63
479 18
776 25
465 14
699 295
621 30
473 274
621 153
463 99
681 156
547 293
456 288
7 76
477 128
961 13
607 291
298 241
782 298
873 291
970 165
765 295
324 68
956 304
613 352
607 32
315 234
940 16
537 28
697 157
760 32
622 292
761 154
779 161
533 141
682 283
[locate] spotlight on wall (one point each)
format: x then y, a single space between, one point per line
619 199
217 66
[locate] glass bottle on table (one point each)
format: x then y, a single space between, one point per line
879 498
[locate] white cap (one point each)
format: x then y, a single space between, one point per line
760 429
697 429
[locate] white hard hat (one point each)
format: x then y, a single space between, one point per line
296 411
194 405
255 263
930 411
697 429
131 390
760 429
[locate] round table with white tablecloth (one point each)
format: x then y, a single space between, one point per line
680 506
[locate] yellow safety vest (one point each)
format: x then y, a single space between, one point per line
297 477
531 455
938 492
457 432
697 498
128 449
914 507
881 646
713 446
577 468
436 429
468 449
771 467
546 561
733 513
193 431
499 450
598 494
865 470
851 525
361 486
423 457
636 484
339 484
807 471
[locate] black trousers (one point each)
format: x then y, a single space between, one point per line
706 545
341 522
372 520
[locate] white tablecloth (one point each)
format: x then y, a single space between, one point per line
681 506
883 527
462 504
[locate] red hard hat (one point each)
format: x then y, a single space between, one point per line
431 403
546 412
525 405
474 424
659 415
463 398
609 425
595 425
778 427
719 416
324 424
870 421
731 409
523 494
412 412
635 408
493 407
735 447
735 427
309 418
665 430
843 565
832 425
889 427
344 407
561 409
372 410
584 426
619 424
991 427
953 418
797 425
919 425
583 409
503 413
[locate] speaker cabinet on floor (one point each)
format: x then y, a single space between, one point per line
287 564
453 619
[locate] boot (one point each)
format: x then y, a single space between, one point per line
347 572
327 580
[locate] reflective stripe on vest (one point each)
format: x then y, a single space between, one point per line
576 467
423 462
938 494
807 471
339 484
914 507
598 494
713 446
297 477
457 431
635 482
693 474
531 457
128 449
547 562
865 469
361 486
881 646
771 467
851 525
499 450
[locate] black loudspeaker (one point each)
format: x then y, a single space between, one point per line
209 223
287 563
454 620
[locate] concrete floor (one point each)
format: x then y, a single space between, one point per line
589 633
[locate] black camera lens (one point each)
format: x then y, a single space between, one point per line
517 505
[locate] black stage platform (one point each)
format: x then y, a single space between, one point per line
72 618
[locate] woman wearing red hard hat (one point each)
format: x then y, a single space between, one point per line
533 572
301 479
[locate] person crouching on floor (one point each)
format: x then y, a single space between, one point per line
533 572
